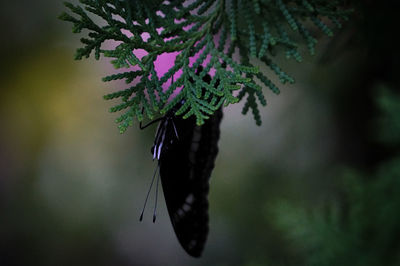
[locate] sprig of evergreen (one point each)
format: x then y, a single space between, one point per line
255 28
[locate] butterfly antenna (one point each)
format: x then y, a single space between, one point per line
155 206
148 192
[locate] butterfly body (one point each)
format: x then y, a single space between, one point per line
186 153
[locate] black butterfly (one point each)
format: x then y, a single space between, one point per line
186 153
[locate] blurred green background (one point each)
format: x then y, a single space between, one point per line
317 184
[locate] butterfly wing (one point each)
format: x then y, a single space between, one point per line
186 164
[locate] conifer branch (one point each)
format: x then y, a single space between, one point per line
205 33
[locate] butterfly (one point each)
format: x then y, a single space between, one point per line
186 154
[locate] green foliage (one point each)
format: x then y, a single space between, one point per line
362 234
389 123
255 28
364 228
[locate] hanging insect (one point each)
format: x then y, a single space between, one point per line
186 153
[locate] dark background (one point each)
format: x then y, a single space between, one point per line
317 184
